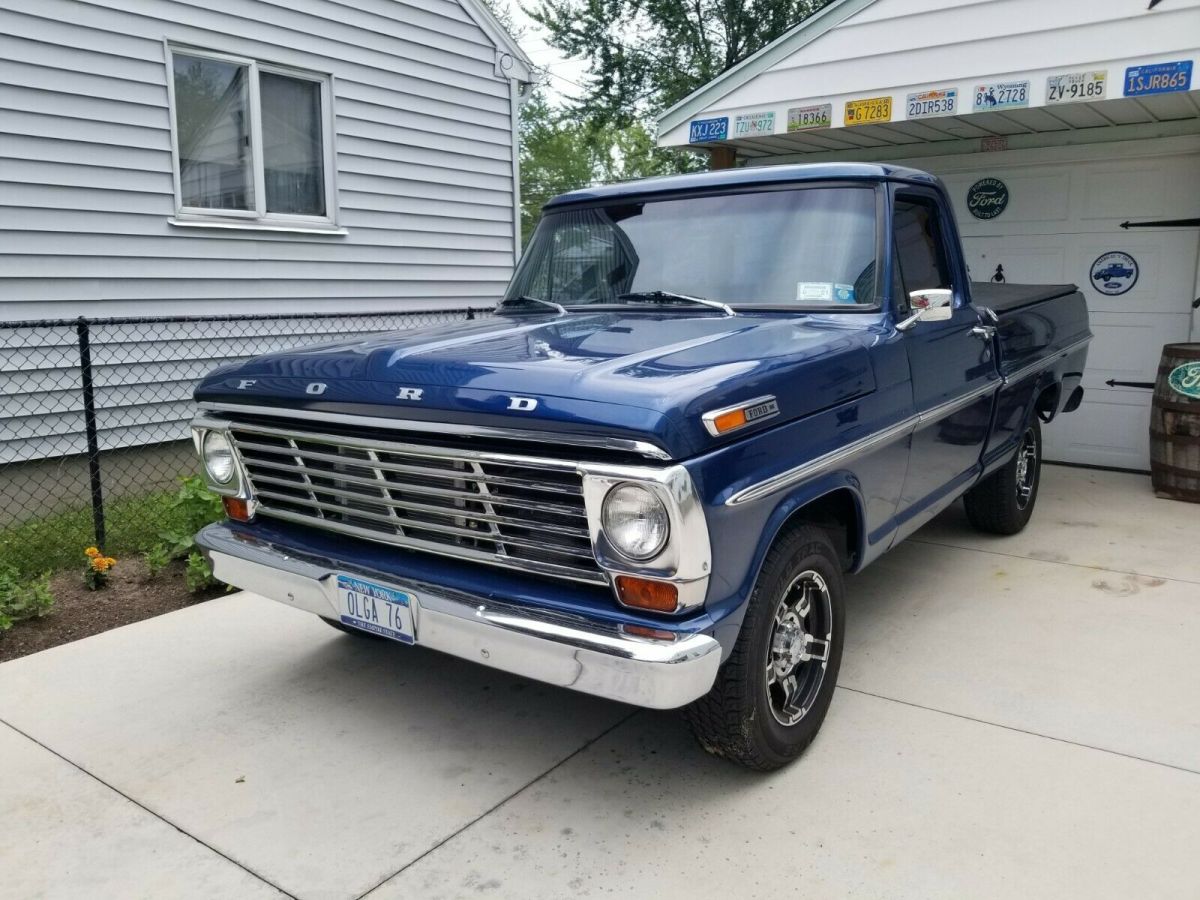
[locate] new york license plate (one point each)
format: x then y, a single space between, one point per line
381 610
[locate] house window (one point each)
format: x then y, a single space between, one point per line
252 140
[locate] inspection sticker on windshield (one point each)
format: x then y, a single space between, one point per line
373 607
824 292
754 124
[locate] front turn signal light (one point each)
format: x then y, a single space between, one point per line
642 593
237 508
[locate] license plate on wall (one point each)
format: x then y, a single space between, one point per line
375 608
870 109
1076 86
1001 95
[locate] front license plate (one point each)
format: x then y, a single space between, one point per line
372 607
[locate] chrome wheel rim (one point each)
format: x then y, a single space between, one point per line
1026 469
798 651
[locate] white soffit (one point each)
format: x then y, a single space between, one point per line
887 50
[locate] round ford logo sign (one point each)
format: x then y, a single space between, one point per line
1185 380
1114 273
987 198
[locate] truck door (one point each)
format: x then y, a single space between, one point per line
953 370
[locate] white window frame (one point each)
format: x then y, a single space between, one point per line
258 217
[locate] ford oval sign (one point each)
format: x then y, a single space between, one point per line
1185 380
987 198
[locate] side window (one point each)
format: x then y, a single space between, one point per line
920 247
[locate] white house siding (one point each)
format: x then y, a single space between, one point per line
424 188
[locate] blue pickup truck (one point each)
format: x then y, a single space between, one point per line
704 401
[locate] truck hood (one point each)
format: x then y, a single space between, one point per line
643 375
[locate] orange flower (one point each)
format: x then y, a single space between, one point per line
92 552
111 562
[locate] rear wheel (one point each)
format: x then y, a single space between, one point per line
1003 502
771 696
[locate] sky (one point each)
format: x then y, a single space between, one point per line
563 75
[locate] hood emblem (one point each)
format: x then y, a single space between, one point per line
317 387
731 418
522 404
410 393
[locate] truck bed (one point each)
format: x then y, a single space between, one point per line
1005 297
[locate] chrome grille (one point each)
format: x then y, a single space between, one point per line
513 511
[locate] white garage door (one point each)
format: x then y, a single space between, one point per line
1065 208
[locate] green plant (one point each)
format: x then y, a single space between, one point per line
197 574
23 598
194 507
95 573
158 558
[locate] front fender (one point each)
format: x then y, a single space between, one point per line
742 535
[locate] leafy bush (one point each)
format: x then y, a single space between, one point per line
22 598
193 507
158 558
198 575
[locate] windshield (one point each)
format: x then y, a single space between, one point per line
809 247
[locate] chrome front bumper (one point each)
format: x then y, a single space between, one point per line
565 650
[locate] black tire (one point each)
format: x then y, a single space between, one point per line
346 629
1003 502
739 719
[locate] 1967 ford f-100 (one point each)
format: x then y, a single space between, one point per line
703 401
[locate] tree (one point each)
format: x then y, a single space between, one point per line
646 55
556 156
559 154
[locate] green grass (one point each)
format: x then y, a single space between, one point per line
57 541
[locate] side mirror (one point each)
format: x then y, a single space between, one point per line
930 305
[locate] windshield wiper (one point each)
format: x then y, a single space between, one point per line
525 300
672 297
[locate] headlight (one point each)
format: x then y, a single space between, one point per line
218 457
635 521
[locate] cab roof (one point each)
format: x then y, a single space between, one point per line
744 177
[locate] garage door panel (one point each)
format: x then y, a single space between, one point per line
1127 346
1151 188
1105 431
1166 271
1032 197
1034 263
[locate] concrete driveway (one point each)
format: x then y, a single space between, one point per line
1016 717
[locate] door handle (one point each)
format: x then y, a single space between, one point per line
984 332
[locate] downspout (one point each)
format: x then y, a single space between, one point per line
516 92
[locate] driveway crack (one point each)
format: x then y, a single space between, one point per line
145 808
487 812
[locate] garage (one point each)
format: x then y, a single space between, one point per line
1085 171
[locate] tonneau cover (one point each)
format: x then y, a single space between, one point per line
1003 297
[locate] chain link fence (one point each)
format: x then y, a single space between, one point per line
94 413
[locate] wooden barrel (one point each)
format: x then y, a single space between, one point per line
1175 424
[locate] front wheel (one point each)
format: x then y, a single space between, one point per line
771 696
1003 502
